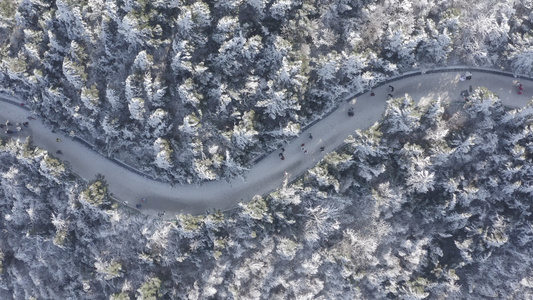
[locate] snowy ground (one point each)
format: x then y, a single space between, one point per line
269 173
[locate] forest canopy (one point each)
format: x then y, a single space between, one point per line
432 201
191 90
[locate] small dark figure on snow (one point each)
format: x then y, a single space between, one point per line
391 88
59 152
468 75
280 155
389 96
138 206
322 149
283 158
282 149
25 124
310 136
58 140
305 151
372 93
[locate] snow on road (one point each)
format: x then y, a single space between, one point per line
268 174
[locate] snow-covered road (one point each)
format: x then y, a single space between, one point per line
268 174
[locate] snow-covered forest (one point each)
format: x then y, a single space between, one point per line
194 90
431 202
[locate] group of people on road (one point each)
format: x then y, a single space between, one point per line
139 205
466 76
389 96
12 128
310 136
519 87
18 126
303 148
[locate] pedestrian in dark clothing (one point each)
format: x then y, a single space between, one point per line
372 93
283 158
389 96
305 151
58 140
322 149
310 136
138 206
282 149
25 124
280 155
391 88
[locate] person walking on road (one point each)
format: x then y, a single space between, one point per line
58 140
391 88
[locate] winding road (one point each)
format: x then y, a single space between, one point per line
269 173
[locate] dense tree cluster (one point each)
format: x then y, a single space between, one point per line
430 202
192 90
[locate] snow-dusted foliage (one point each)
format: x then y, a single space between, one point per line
163 153
289 61
439 210
417 207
